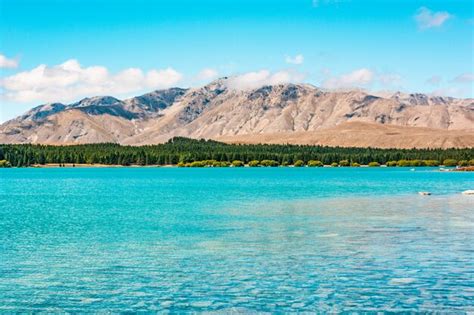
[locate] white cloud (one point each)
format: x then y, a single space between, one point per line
453 91
461 86
361 78
356 78
163 78
207 74
69 81
296 60
7 62
253 80
429 19
464 78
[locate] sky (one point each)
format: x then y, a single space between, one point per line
62 51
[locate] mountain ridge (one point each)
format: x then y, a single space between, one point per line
269 113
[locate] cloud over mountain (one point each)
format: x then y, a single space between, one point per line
207 74
70 80
360 78
256 79
357 78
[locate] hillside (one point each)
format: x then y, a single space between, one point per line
289 113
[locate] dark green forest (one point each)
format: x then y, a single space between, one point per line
183 152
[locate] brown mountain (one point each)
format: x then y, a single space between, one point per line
289 113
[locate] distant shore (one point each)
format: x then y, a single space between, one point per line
464 169
184 152
57 165
72 165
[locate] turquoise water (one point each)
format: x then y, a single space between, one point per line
236 240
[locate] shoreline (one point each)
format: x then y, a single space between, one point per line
71 165
441 168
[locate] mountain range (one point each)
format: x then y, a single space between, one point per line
283 113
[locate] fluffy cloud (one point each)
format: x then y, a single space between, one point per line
461 86
252 80
163 78
356 78
69 81
429 19
360 78
207 74
453 91
464 78
296 60
7 62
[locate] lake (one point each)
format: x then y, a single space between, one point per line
236 239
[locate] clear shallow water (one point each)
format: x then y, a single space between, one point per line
282 239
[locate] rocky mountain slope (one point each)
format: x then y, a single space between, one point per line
289 113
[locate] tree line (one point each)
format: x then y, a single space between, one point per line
184 151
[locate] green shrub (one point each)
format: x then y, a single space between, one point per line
269 163
197 164
4 163
205 163
450 162
355 164
212 163
254 163
334 164
391 163
417 163
208 163
431 162
374 164
344 163
471 162
404 163
299 163
237 163
463 163
315 163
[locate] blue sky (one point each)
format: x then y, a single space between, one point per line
56 50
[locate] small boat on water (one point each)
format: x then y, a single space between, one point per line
468 192
424 193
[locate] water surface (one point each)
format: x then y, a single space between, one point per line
246 240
